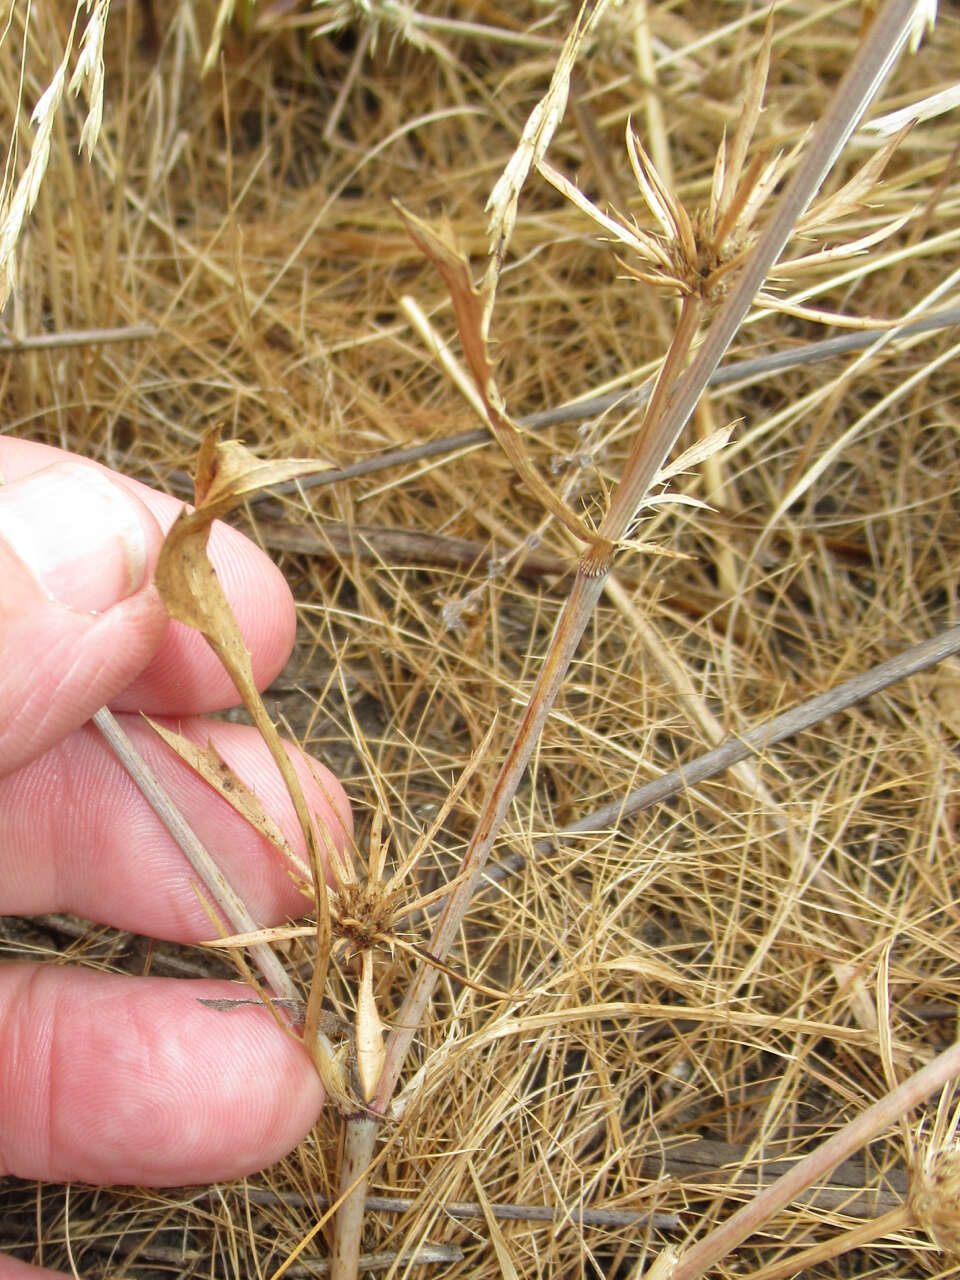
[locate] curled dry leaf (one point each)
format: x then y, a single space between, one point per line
468 308
227 473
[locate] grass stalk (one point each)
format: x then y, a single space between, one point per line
223 894
872 1122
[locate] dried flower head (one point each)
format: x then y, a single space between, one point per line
366 910
934 1196
695 254
363 909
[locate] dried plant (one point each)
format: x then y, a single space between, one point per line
571 972
17 202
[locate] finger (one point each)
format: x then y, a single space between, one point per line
14 1269
110 1079
77 622
185 677
77 835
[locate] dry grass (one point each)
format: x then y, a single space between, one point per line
708 974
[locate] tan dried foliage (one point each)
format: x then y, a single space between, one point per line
699 997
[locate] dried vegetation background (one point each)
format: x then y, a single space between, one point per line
708 985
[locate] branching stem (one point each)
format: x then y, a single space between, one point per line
876 55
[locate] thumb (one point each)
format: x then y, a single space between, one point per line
78 620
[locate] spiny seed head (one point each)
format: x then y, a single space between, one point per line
362 915
934 1197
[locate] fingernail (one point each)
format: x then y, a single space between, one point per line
80 534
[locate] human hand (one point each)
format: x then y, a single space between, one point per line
106 1078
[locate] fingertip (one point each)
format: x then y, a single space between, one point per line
60 666
78 620
114 1080
184 677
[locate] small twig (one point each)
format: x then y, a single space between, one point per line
577 1213
427 1254
178 1259
77 338
404 546
203 864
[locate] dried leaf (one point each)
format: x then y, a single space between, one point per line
651 968
227 472
210 765
838 252
925 109
851 197
370 1048
697 453
747 125
656 195
333 1068
835 318
277 933
468 310
665 1263
639 241
191 591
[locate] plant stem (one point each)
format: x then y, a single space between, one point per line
842 1242
873 60
576 614
677 395
876 55
360 1135
818 1164
212 877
